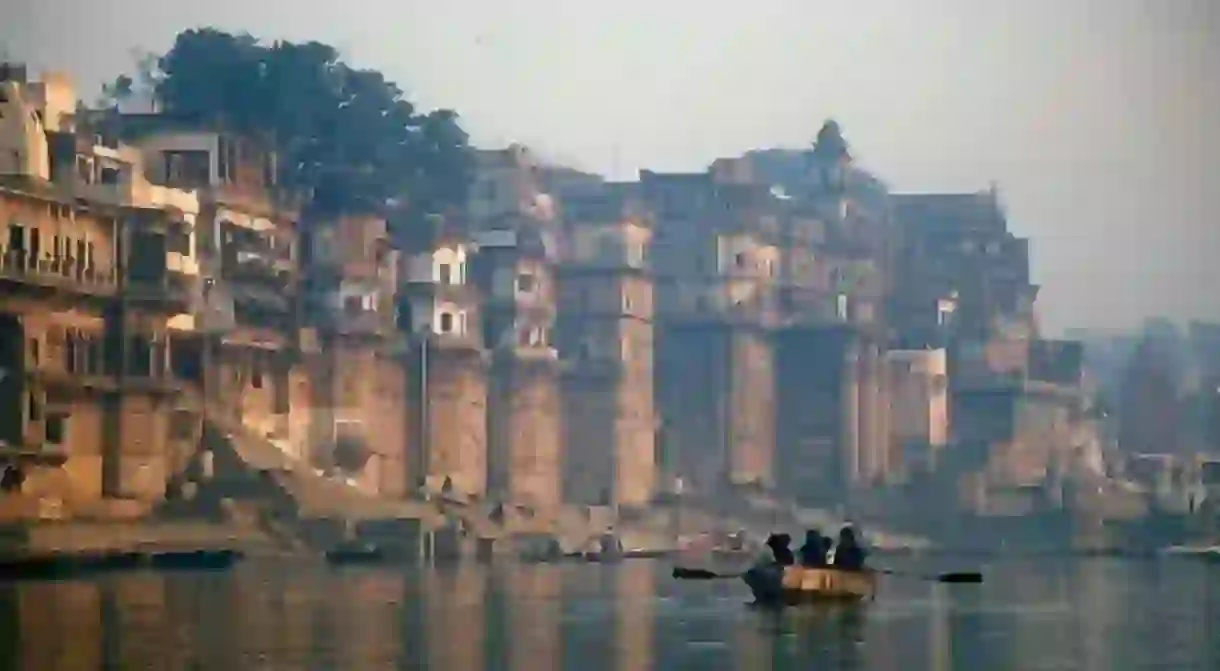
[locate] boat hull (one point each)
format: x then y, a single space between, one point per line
796 584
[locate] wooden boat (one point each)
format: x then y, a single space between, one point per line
797 584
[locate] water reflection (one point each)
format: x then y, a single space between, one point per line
1086 615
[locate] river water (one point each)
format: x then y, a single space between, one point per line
1078 615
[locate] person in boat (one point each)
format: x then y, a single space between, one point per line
813 552
781 554
610 544
848 554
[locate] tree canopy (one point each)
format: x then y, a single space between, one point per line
348 135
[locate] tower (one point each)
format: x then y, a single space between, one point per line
605 334
514 271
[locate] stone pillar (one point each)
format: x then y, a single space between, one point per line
872 461
455 433
751 409
849 425
531 442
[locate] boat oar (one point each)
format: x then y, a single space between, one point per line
680 573
964 577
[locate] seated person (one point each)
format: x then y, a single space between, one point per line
780 552
848 555
813 552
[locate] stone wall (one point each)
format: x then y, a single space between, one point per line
456 439
590 407
144 435
752 403
525 435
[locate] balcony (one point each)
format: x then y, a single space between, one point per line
55 272
174 289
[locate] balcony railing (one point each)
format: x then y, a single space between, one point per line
50 271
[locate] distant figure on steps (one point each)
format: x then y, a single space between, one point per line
848 554
813 552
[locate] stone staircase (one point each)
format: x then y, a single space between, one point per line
255 485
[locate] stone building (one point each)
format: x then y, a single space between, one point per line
350 392
99 273
248 253
919 408
605 334
958 246
439 305
514 268
508 181
717 259
1017 401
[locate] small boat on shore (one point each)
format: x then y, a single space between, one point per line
797 584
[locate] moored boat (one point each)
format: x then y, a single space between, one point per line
797 584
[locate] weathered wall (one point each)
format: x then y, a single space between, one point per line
752 394
142 462
387 429
716 387
457 426
810 458
689 378
635 424
590 408
525 433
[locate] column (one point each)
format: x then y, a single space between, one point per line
849 423
871 461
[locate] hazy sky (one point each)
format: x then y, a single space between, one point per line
1097 118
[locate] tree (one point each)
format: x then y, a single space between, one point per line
116 91
347 135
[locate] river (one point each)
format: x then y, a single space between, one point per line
1101 614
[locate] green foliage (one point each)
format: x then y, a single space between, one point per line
347 135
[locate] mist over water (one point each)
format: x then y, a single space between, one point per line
1089 614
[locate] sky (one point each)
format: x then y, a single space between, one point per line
1096 118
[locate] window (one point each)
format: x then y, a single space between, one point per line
352 304
526 283
739 259
110 176
626 303
56 429
35 409
34 353
446 322
70 343
16 237
444 272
